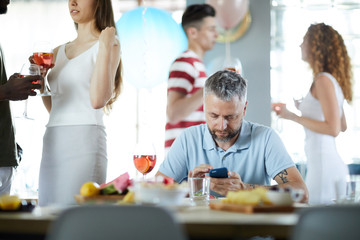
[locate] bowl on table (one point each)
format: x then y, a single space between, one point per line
157 193
284 196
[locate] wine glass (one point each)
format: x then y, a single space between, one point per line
298 98
144 157
43 56
29 69
233 64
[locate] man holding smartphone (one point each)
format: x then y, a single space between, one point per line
252 153
15 88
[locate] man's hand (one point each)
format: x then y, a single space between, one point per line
18 88
200 171
223 185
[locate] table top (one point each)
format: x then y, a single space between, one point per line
199 222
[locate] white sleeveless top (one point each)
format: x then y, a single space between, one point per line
70 88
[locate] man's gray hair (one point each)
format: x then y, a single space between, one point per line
225 85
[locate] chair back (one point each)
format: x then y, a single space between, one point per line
330 223
97 222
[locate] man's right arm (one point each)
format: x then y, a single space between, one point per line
179 106
175 165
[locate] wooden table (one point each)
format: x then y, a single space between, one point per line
199 223
211 224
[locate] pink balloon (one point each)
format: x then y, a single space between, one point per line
229 12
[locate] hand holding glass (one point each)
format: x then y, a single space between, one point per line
27 70
43 56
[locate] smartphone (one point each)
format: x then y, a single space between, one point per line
219 173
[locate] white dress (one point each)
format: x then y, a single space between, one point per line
74 145
324 165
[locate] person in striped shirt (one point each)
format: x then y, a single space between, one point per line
187 73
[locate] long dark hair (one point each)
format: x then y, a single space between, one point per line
104 17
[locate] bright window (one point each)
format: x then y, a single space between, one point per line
291 77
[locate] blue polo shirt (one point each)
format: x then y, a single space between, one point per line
258 154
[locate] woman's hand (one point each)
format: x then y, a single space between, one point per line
107 37
281 111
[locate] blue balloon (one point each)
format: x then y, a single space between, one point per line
150 41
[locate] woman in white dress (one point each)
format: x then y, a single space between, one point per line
322 114
85 81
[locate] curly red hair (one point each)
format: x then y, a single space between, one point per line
327 52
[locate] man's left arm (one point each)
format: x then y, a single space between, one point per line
291 177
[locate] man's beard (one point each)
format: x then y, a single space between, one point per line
231 134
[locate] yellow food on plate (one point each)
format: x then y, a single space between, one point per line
247 197
8 202
89 189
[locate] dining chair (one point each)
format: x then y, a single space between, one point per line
110 222
328 223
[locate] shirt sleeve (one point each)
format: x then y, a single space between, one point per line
277 158
182 76
175 165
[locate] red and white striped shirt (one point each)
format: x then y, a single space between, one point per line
187 75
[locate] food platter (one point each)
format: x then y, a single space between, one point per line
251 208
26 206
98 199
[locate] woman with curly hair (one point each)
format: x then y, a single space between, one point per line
322 114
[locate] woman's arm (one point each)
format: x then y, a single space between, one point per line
179 106
107 62
324 91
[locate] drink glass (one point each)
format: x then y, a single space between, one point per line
348 191
43 56
199 191
233 64
298 98
29 69
144 158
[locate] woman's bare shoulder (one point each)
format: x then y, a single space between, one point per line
323 86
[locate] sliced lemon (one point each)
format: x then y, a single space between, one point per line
129 197
90 189
8 202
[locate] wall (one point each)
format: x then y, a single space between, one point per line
253 49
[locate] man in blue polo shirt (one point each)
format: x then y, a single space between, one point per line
252 153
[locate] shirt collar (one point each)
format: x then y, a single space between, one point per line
243 141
